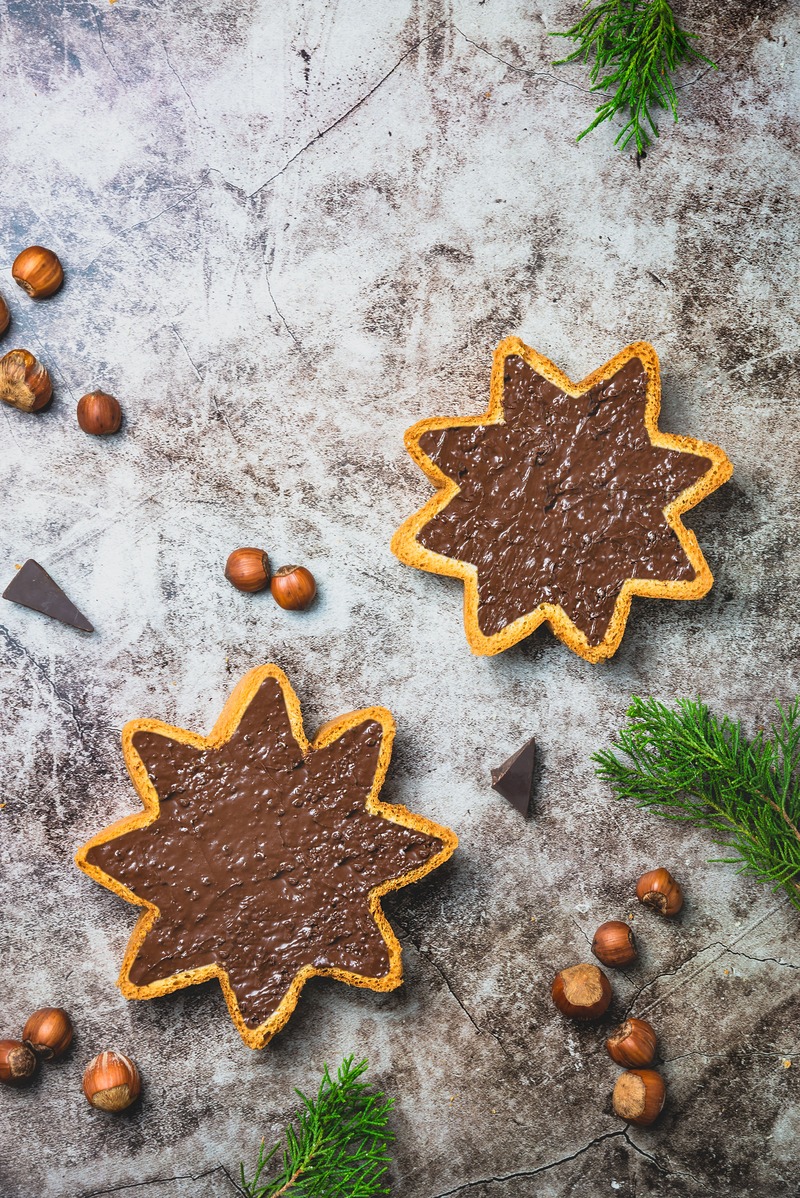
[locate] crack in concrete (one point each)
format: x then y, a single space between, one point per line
711 67
580 929
333 125
182 344
562 1160
483 1031
738 953
103 47
177 76
698 953
724 1056
281 317
148 220
152 1181
522 70
14 644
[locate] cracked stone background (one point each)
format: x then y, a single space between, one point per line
290 230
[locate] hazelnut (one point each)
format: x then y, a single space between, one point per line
48 1032
38 271
111 1081
248 569
293 588
639 1096
659 890
5 316
581 992
632 1044
17 1062
24 382
614 944
99 413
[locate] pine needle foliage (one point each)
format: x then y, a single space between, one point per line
336 1146
687 764
635 45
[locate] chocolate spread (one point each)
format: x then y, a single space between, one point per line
562 501
261 860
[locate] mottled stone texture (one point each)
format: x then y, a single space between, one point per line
290 230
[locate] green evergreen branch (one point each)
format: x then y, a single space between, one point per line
636 46
336 1147
687 764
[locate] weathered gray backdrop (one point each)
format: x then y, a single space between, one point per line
291 230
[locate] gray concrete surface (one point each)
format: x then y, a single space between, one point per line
292 229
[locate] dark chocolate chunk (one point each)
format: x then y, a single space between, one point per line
514 778
33 587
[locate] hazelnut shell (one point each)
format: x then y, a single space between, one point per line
247 569
614 945
24 382
48 1032
293 588
111 1081
17 1062
632 1044
581 992
38 271
658 890
639 1096
99 413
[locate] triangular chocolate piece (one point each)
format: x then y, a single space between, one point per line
33 587
514 778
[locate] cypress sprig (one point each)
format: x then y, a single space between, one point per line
336 1146
636 46
687 764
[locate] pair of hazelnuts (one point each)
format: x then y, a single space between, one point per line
293 587
111 1081
584 992
25 383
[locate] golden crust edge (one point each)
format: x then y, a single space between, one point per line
407 549
224 727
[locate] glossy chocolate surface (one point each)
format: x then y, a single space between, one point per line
261 860
562 501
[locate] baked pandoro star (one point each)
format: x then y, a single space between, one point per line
561 502
261 858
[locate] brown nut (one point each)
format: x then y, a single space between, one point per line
248 569
17 1062
5 316
48 1032
111 1081
632 1044
613 943
38 271
293 588
639 1096
581 992
99 413
659 890
24 382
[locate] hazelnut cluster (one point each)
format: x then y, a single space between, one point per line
292 587
46 1035
25 383
583 992
111 1081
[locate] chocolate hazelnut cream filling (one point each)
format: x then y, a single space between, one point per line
261 859
562 501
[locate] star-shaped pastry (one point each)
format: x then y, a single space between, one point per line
561 502
261 858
